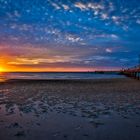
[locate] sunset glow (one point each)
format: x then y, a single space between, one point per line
1 69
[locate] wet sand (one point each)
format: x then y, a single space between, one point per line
105 109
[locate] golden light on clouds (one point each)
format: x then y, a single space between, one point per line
40 59
28 59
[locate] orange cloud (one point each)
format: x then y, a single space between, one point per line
36 58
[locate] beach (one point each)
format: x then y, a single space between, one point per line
99 109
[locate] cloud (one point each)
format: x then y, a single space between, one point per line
89 6
98 57
66 7
17 14
56 6
106 36
104 16
22 55
95 6
138 21
81 6
108 50
73 38
114 36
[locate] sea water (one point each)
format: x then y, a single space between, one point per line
59 75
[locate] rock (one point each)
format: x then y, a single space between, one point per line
20 134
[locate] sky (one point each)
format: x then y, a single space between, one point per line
69 35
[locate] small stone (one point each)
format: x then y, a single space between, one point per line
20 134
65 136
85 135
38 124
137 125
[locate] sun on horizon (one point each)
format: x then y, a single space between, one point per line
2 69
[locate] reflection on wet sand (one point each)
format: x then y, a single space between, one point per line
70 109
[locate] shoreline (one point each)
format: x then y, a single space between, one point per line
66 79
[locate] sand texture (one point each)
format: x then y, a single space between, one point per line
104 109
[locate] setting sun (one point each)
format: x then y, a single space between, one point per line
1 69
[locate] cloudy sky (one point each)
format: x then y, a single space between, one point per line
69 35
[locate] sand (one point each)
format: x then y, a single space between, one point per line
103 109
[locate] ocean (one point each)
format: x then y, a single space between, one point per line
59 75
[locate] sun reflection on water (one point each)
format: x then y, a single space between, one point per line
3 77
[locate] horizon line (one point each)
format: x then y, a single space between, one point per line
60 71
